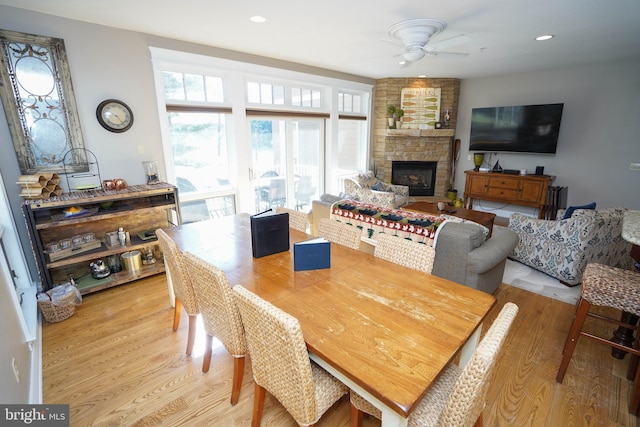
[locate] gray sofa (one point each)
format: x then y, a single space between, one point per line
462 253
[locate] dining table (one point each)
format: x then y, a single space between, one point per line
385 331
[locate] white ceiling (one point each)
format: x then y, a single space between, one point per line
349 36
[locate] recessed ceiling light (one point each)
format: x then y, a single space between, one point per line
545 37
258 19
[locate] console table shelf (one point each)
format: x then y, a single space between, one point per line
523 190
137 208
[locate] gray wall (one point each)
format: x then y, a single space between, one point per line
599 135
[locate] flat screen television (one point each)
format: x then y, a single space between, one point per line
521 128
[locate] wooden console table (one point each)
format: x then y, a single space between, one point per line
524 190
137 208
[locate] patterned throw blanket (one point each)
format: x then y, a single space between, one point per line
372 220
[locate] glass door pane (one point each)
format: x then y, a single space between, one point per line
200 164
286 157
308 143
269 151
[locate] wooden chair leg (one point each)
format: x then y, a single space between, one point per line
572 337
193 323
633 363
634 403
479 421
258 405
177 309
206 360
356 416
238 373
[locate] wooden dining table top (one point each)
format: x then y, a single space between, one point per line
390 329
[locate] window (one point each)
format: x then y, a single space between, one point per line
199 158
349 103
192 87
263 93
305 98
289 136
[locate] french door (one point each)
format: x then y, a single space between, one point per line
286 158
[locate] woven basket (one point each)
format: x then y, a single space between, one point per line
57 313
53 313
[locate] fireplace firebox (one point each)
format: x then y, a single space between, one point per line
419 176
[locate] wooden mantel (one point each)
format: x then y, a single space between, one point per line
418 133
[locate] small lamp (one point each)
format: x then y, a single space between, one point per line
478 159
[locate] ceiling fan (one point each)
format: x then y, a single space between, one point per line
414 35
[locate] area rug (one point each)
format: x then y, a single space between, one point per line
529 279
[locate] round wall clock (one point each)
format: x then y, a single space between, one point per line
114 115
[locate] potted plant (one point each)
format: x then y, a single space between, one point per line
399 115
391 111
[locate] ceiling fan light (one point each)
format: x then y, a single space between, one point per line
413 55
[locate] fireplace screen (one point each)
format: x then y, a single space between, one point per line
420 177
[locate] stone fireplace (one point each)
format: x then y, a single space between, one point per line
419 176
415 145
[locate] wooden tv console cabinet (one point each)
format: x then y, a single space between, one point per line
523 190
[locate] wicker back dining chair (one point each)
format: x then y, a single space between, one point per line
281 364
407 253
298 220
457 398
340 233
220 316
182 288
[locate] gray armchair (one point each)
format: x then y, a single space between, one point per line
464 256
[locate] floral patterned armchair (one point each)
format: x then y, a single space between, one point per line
369 189
563 248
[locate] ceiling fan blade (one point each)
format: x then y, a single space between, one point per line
451 55
446 43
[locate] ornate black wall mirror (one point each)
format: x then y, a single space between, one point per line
38 100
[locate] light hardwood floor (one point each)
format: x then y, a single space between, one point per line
117 362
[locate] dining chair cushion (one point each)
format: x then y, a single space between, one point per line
613 287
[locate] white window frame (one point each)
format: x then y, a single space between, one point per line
235 77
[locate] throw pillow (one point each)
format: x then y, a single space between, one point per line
571 209
367 179
379 186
